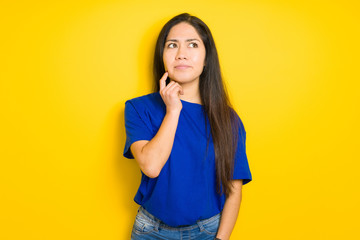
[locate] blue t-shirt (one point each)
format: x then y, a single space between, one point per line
185 190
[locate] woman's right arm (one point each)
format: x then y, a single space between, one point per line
152 155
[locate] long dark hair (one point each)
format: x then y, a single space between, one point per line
213 94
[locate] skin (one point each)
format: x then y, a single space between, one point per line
183 46
230 211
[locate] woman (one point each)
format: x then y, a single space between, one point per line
188 141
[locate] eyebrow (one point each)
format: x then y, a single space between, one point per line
188 40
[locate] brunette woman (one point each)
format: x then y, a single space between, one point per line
187 140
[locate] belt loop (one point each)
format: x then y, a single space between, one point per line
200 224
156 225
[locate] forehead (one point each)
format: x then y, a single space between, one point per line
183 31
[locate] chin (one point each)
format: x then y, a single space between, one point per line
182 79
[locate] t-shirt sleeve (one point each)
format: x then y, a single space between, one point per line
241 165
136 126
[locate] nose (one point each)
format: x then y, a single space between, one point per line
181 53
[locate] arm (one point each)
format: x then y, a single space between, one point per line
152 155
230 211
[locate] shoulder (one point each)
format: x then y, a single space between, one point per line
146 105
236 119
150 100
238 126
151 97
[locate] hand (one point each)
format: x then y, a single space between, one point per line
170 94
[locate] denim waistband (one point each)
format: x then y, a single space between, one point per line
160 223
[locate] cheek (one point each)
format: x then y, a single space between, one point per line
166 61
199 60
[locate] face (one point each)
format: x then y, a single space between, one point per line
184 54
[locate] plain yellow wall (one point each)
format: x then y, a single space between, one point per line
67 67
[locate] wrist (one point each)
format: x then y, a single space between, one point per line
173 112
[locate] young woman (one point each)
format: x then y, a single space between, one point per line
187 140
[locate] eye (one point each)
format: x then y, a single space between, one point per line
195 45
171 45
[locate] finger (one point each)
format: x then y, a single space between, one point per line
176 88
163 80
166 89
180 87
181 90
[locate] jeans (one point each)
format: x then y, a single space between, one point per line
148 227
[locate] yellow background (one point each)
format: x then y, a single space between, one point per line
67 67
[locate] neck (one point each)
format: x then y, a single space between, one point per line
191 92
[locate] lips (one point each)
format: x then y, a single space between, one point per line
182 66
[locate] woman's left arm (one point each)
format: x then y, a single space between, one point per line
230 212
